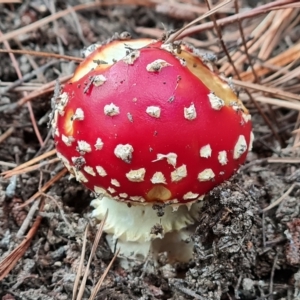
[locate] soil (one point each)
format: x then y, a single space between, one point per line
240 251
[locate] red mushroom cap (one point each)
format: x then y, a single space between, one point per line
143 121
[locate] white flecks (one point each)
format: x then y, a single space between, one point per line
153 111
64 97
124 152
68 140
168 47
83 147
158 177
125 35
100 191
235 106
99 144
157 65
63 100
171 158
115 182
79 115
183 62
222 158
216 102
56 132
251 141
64 160
240 147
230 83
190 196
111 110
136 175
205 57
99 80
137 198
78 161
88 50
74 159
246 117
89 170
79 175
123 195
174 201
206 175
100 170
111 190
131 57
205 151
60 156
129 117
179 173
54 119
190 112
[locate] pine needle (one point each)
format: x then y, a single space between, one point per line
94 248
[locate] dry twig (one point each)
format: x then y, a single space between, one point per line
8 263
93 250
279 200
30 162
6 134
45 187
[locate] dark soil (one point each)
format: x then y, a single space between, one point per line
239 253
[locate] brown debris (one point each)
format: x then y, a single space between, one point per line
293 245
18 214
247 242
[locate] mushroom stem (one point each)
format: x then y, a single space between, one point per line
138 230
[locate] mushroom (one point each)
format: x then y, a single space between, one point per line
150 129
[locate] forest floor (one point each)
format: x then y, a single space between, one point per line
247 242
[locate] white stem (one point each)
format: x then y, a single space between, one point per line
131 227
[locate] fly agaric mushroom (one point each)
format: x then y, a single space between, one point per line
143 123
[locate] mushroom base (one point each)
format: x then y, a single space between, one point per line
176 245
138 232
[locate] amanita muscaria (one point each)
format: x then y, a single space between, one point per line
143 123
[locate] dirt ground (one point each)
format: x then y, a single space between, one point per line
241 251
